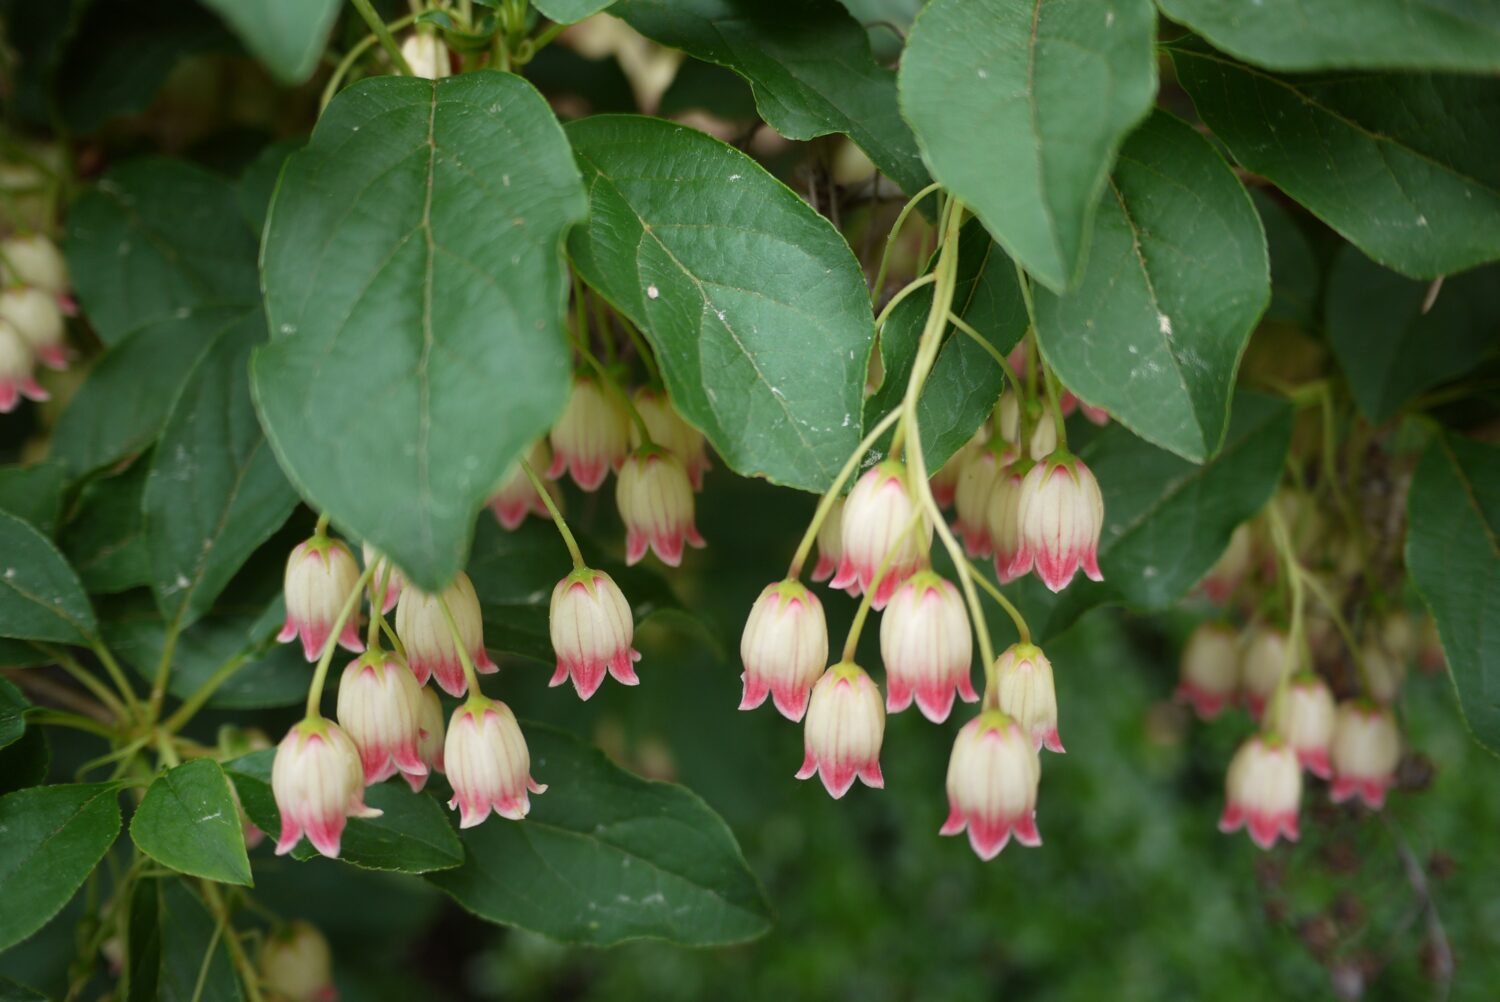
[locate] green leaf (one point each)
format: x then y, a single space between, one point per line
104 541
1454 558
1166 521
287 35
143 943
33 493
122 405
755 305
258 181
965 381
1296 275
1404 166
54 836
188 936
25 762
1175 282
12 992
415 289
12 713
605 857
156 237
1388 347
40 597
570 11
412 836
1458 35
808 62
215 492
189 821
1019 108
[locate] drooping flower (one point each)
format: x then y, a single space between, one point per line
35 314
1383 671
784 648
427 55
926 647
518 496
1262 664
319 784
379 705
320 575
592 630
296 964
877 515
1043 441
1023 676
672 432
944 483
831 546
993 776
430 735
394 580
592 435
1061 513
1306 717
1231 567
488 763
1210 669
976 487
16 370
1003 518
655 499
1366 749
844 728
33 259
1263 790
424 630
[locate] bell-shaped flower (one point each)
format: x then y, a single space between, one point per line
670 431
35 314
17 367
1365 752
1003 518
976 488
319 784
1263 790
592 630
320 575
844 728
296 964
430 735
488 763
33 259
655 499
387 574
1306 719
1061 513
1262 664
831 546
430 648
1210 669
1025 689
592 435
379 705
926 646
993 774
518 496
784 648
427 55
878 523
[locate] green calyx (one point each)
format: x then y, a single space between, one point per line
848 671
586 576
995 720
788 591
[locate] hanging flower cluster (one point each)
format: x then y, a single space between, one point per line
34 300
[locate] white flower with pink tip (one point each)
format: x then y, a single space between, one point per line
379 704
424 630
320 576
1061 513
844 728
319 784
591 437
926 647
1026 692
591 627
784 648
518 496
656 504
1210 669
1365 752
877 515
488 763
993 774
1263 791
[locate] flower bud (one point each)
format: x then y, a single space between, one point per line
1210 669
1264 661
926 646
34 313
1231 567
394 581
16 379
1043 438
656 504
1306 717
831 545
319 784
1003 518
591 436
784 648
1263 790
1095 415
35 260
671 432
518 496
427 56
1008 413
320 575
424 630
1399 635
1026 693
1366 748
296 964
488 763
992 782
430 732
592 629
1384 672
845 724
976 487
877 514
1060 514
378 706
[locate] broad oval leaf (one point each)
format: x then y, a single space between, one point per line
1176 279
214 493
1405 166
54 836
287 35
1296 271
605 856
142 974
189 821
155 237
411 836
755 305
40 597
34 493
12 713
104 540
808 62
1453 553
1459 35
195 960
1019 107
570 11
1389 347
415 291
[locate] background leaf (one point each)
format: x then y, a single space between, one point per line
12 713
40 597
189 821
754 303
143 943
1454 558
54 836
287 35
1296 272
1388 348
1404 166
104 541
187 939
570 11
605 856
1019 108
808 62
33 493
24 762
415 290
